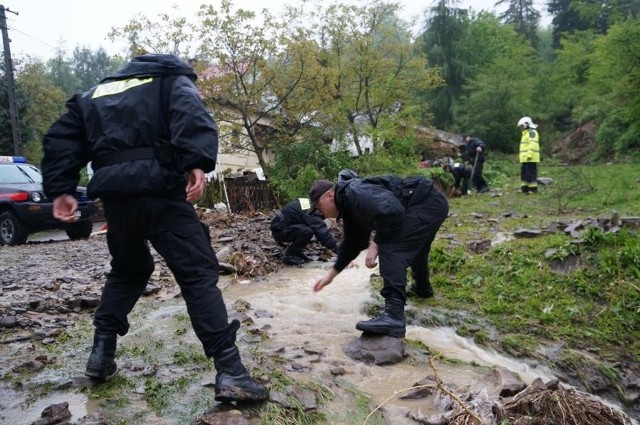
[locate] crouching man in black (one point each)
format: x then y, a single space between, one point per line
405 215
294 225
461 175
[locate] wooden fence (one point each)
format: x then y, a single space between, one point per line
246 195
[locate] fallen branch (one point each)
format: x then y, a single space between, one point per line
439 385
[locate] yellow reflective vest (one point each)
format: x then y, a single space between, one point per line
530 146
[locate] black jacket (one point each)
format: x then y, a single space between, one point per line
294 213
376 203
460 173
152 103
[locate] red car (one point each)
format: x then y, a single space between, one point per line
24 209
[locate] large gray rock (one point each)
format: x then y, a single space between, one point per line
374 349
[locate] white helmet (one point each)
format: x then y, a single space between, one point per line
526 123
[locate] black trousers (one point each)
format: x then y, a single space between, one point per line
173 228
298 235
529 174
477 178
411 245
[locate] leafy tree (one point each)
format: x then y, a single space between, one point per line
570 16
444 29
501 92
376 69
44 103
233 54
90 67
545 49
523 16
252 77
61 73
170 33
615 79
292 173
7 146
485 38
601 15
566 20
282 80
571 77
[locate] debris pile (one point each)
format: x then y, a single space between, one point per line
244 245
537 404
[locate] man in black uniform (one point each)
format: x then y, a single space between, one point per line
294 225
151 141
405 215
475 154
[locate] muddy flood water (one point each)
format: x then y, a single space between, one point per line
295 318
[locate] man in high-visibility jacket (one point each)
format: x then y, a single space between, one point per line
529 155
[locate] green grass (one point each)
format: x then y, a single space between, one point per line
514 285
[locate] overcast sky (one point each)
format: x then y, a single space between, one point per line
42 25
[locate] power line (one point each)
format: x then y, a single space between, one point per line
32 37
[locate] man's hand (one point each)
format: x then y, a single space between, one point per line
325 280
195 187
478 149
64 208
372 254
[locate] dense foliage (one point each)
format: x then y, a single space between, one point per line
340 72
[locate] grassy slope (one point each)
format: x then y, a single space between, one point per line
594 307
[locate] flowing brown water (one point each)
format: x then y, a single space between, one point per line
326 321
297 317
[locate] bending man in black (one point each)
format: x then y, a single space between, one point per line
150 140
405 215
294 225
461 175
474 155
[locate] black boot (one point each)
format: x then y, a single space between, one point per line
291 260
390 322
422 291
305 258
101 364
292 256
233 382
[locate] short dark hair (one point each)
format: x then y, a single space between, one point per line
317 190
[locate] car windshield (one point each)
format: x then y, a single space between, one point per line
19 173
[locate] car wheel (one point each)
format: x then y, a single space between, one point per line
12 232
79 230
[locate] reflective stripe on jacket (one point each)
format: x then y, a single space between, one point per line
152 102
530 146
297 212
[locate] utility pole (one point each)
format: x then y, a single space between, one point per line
11 89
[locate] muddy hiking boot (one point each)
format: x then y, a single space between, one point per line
390 322
101 364
233 382
421 291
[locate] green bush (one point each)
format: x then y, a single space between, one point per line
299 164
